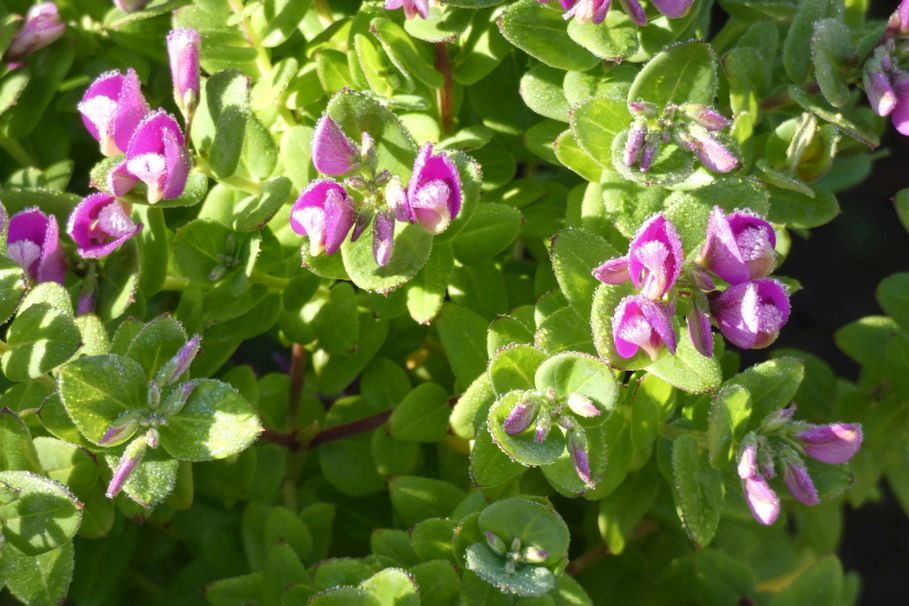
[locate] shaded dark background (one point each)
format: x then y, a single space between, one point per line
840 267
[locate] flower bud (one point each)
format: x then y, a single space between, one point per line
634 10
643 109
707 117
122 429
496 544
613 271
762 500
577 450
709 151
777 420
324 214
521 416
368 152
699 330
177 398
33 242
130 459
152 437
651 149
112 108
543 427
99 225
637 134
833 444
748 458
130 6
42 27
412 8
396 199
797 480
583 406
639 323
383 238
739 247
434 191
364 217
655 257
534 555
674 9
586 11
750 315
183 46
333 153
878 87
171 371
157 156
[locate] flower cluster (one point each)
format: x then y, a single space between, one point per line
540 413
739 250
783 442
42 27
886 80
691 126
594 11
151 143
327 211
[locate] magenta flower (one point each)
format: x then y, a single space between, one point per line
112 107
640 323
887 87
183 46
521 416
333 153
595 11
739 247
899 20
42 27
833 444
654 259
324 214
99 225
586 11
412 8
434 191
383 238
799 483
761 499
33 242
751 314
157 156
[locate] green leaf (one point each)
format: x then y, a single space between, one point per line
39 339
575 254
514 367
526 580
621 511
412 246
438 582
489 466
443 24
772 385
203 249
41 516
48 68
253 212
282 569
893 296
569 153
69 464
596 123
533 522
156 343
235 590
41 580
797 209
574 373
337 324
687 369
422 416
472 407
541 32
541 89
491 229
820 584
523 447
412 60
844 119
565 330
797 47
12 287
426 292
281 18
463 336
393 586
698 489
865 340
416 498
96 390
613 40
683 73
831 46
216 422
728 420
16 449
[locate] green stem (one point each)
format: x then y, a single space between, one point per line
177 283
672 432
3 347
263 62
269 280
240 182
16 151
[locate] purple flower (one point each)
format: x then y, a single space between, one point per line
130 6
637 135
899 20
158 158
183 49
577 451
639 323
333 153
673 9
751 314
881 94
586 11
613 271
651 149
799 483
699 331
739 247
709 151
582 406
324 214
521 416
412 8
33 242
99 225
434 191
655 257
543 426
383 238
130 459
112 107
396 199
748 463
762 501
42 27
833 444
122 429
707 117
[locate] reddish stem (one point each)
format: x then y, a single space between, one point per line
443 65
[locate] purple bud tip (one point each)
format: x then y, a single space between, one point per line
747 466
383 238
42 27
130 6
613 271
184 358
709 151
495 543
543 427
750 315
183 45
583 406
699 331
651 149
99 225
637 134
762 500
655 257
412 8
534 555
333 153
324 214
521 416
833 444
577 450
674 9
130 459
799 483
434 191
639 323
396 199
